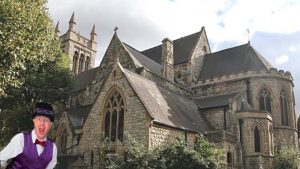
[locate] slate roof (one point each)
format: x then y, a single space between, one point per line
233 60
83 79
78 115
182 49
142 60
215 101
166 107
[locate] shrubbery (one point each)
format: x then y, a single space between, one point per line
173 156
287 158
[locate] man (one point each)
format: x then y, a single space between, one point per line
32 150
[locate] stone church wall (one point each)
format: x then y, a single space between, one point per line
136 118
181 73
230 148
161 136
63 128
285 136
221 88
275 85
215 117
263 122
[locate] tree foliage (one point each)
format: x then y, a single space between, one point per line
32 65
173 156
26 40
48 83
287 158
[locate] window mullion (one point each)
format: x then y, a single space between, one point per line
110 125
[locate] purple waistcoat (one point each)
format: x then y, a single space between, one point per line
29 158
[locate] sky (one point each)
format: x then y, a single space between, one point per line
271 26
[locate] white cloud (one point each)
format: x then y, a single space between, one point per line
292 49
144 23
281 59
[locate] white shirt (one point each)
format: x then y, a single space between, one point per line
16 145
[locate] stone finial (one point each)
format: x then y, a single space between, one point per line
72 20
57 31
93 29
72 23
93 33
116 29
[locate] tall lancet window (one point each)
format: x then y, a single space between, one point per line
87 63
81 60
284 108
114 118
75 62
265 100
256 139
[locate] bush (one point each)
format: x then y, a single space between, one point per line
287 158
173 156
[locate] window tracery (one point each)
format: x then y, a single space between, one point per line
265 100
284 108
114 118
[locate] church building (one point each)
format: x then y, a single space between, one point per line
233 97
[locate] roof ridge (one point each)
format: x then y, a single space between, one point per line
230 48
138 75
131 47
183 37
187 36
140 53
176 85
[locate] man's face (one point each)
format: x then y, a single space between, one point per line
42 125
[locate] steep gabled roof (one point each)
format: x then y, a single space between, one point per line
142 60
231 61
83 79
182 49
166 107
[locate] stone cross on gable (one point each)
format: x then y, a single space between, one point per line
116 28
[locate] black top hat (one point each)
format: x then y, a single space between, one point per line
43 109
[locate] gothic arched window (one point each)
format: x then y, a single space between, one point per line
75 59
92 158
256 139
87 63
265 100
62 136
81 60
284 109
114 118
229 159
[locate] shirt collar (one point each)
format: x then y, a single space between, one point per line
33 136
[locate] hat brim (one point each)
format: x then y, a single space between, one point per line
41 114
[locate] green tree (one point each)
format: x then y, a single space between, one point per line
48 83
286 157
32 65
173 156
26 40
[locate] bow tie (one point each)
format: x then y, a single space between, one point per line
42 143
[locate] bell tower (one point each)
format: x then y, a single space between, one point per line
81 50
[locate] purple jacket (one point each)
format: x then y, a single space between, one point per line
29 158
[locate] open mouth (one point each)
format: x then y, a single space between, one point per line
41 130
